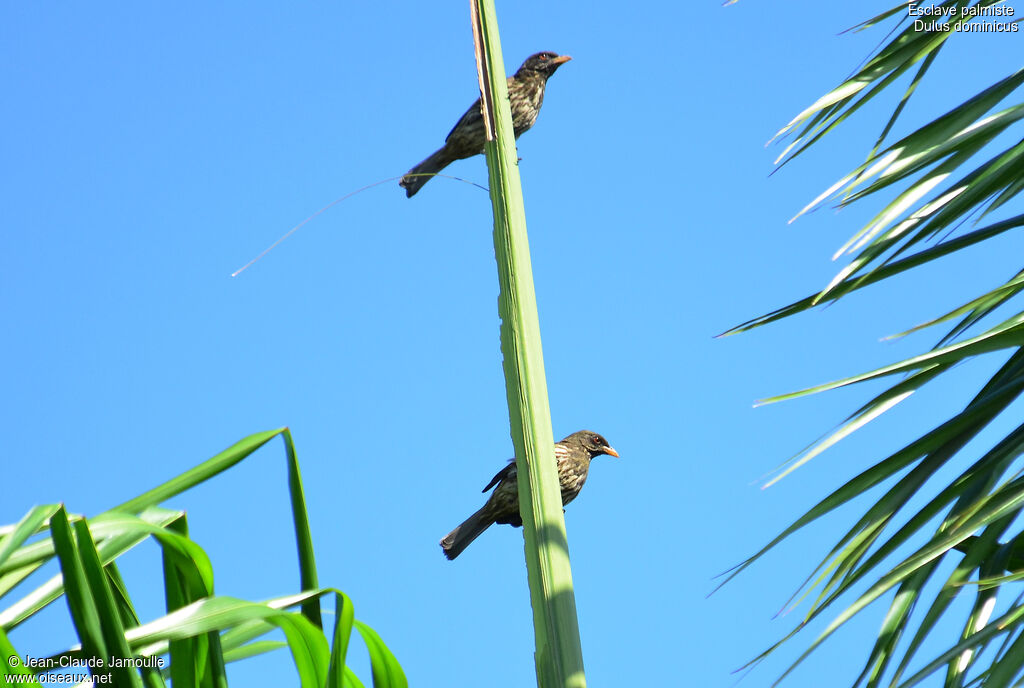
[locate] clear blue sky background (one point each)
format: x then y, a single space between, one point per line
151 149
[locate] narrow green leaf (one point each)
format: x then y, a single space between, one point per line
1004 503
110 620
1008 667
929 60
244 632
976 308
12 663
1007 334
902 53
201 473
303 538
979 555
15 537
111 544
306 642
883 272
253 649
351 680
900 9
894 625
1007 622
343 620
386 671
76 588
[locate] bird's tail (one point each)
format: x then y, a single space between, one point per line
454 542
424 172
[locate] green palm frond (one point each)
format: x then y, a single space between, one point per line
933 187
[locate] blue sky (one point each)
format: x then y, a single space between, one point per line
152 149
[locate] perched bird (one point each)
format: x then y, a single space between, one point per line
467 138
573 455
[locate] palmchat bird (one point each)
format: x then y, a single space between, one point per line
573 455
467 137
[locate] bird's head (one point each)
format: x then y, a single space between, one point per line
593 443
543 63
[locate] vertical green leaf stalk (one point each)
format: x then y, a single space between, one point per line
559 655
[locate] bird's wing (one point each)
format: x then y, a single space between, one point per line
473 113
561 453
508 471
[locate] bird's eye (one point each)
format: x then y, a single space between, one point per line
543 57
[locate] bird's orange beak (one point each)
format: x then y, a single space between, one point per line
611 452
562 59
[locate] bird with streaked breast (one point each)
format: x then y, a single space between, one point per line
573 456
467 138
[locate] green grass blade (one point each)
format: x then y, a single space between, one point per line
110 619
201 473
111 545
303 539
84 614
187 653
351 680
253 649
243 633
308 646
343 619
12 539
386 671
152 677
15 537
12 664
106 620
